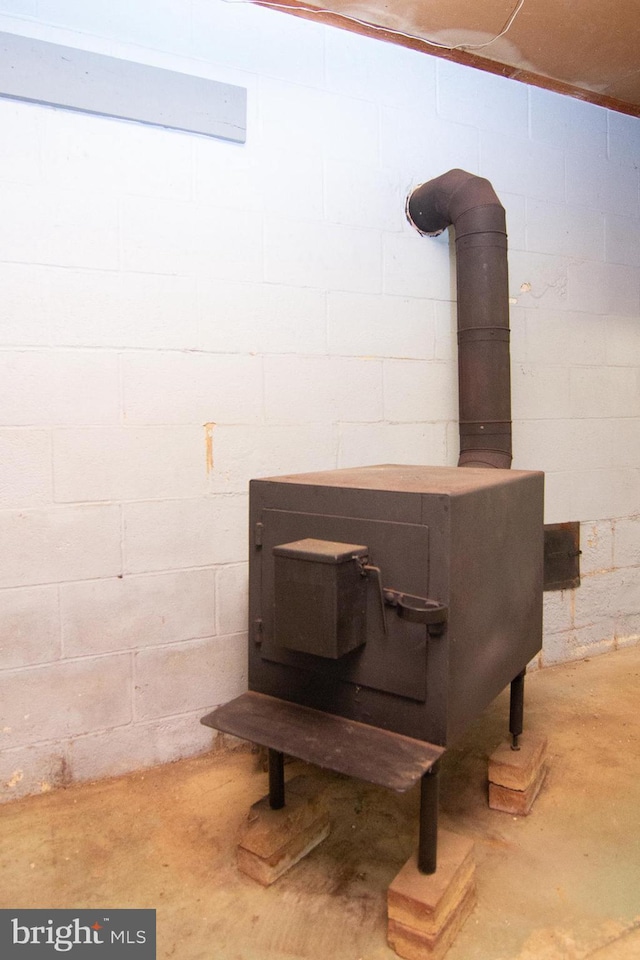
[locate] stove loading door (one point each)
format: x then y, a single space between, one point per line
321 589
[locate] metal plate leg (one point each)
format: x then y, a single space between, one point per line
276 779
428 839
516 709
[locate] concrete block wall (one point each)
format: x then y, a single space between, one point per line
180 314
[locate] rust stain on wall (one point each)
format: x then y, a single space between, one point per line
208 441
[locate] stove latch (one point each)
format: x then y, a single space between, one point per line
408 606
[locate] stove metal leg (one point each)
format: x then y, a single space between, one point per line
428 839
516 709
276 779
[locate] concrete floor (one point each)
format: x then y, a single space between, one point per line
561 884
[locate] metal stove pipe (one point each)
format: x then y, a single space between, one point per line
470 204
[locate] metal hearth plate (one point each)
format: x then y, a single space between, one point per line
334 743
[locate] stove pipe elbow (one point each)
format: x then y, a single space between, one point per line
470 205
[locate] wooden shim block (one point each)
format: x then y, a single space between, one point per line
267 831
272 841
425 902
517 802
267 871
412 944
518 769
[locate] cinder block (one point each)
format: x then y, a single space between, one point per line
25 456
557 612
232 598
420 390
426 912
82 150
42 225
372 326
322 255
597 543
622 240
223 176
538 275
626 541
220 37
240 453
515 776
576 231
590 494
260 317
389 77
625 451
458 104
404 145
606 595
112 752
53 387
580 128
522 167
622 346
126 23
192 388
565 444
316 388
58 544
29 626
610 288
517 217
173 534
129 463
624 138
446 331
182 677
278 102
362 196
389 442
100 616
272 841
33 769
190 239
411 269
109 309
25 313
602 183
550 398
291 186
65 699
21 126
137 146
604 392
349 126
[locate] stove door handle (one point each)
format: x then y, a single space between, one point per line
418 610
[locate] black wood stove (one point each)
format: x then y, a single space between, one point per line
389 605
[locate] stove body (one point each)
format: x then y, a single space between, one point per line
404 598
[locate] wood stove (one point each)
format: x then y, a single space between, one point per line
388 606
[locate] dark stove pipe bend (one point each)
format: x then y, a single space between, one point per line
470 204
